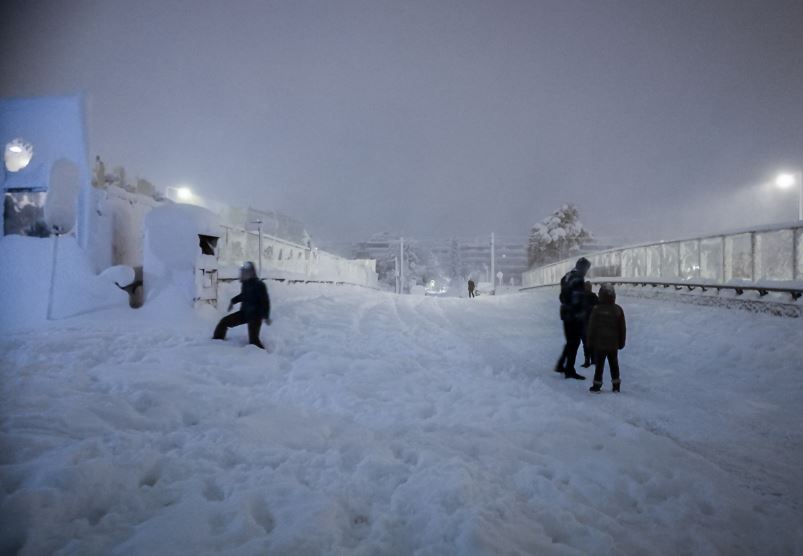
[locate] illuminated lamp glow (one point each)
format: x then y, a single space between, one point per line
17 155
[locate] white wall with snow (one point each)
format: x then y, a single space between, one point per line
171 249
55 127
283 259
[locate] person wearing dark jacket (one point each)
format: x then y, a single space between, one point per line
572 313
254 307
471 288
606 335
589 302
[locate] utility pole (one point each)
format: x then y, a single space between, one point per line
401 272
493 270
396 272
50 300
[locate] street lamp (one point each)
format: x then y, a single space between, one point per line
786 181
181 194
184 193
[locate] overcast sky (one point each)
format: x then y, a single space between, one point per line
437 118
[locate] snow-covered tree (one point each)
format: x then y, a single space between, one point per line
455 269
556 237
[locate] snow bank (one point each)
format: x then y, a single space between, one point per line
26 264
172 250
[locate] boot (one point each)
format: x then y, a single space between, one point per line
571 373
596 387
616 386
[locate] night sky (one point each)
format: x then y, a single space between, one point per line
437 118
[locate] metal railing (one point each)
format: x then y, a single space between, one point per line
768 258
739 289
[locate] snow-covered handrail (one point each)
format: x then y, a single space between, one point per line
739 289
771 256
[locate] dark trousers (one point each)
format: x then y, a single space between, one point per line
236 319
613 363
471 293
588 353
573 330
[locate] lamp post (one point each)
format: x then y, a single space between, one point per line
401 268
493 265
787 180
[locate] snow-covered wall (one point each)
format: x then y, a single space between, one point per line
172 253
55 130
172 250
288 260
771 254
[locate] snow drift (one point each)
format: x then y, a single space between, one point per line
384 424
26 265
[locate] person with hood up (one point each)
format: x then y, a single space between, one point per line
606 336
590 302
572 313
254 307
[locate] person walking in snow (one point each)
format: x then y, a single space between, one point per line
254 307
572 313
471 287
606 335
589 302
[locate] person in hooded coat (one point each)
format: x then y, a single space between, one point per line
254 307
572 313
590 301
471 288
606 335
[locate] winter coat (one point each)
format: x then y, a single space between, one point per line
471 285
254 300
590 301
572 296
606 328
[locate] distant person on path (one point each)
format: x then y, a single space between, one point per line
254 307
471 287
589 302
606 334
572 313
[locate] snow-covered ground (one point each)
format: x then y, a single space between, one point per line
381 424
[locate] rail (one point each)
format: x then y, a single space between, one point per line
762 290
752 258
305 281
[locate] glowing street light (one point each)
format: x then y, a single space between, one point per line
787 180
181 194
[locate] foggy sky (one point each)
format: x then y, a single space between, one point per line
437 118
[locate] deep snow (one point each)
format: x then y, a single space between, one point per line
382 424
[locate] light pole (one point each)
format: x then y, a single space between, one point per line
493 265
259 244
787 180
401 270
